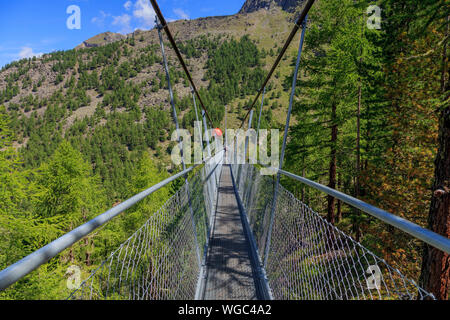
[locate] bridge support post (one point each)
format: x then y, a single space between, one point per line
260 114
247 139
175 119
226 135
210 182
283 149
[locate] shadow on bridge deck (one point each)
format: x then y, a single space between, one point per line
230 274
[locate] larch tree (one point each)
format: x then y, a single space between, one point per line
326 134
435 273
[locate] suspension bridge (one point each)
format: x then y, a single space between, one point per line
232 233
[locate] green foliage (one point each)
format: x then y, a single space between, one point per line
9 92
68 189
234 69
145 175
329 92
71 168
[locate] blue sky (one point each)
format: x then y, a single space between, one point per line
30 27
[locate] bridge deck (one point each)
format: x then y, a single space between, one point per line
229 275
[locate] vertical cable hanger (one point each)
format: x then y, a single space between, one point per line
163 25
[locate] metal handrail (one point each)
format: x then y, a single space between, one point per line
31 262
179 56
262 284
427 236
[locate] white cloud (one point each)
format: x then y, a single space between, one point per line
128 5
100 21
145 13
123 22
142 15
181 14
27 52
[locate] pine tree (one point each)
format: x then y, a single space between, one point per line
325 136
70 193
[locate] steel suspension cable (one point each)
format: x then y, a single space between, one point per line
283 148
180 58
180 144
296 27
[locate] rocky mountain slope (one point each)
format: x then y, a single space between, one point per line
255 5
267 28
101 39
113 81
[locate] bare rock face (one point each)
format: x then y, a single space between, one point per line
254 5
248 7
101 39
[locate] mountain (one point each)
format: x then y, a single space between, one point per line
109 96
255 5
92 126
101 39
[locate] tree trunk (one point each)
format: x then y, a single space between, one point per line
71 248
436 264
303 185
444 69
332 172
339 203
86 242
358 148
358 116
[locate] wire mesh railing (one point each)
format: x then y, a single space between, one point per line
159 261
310 259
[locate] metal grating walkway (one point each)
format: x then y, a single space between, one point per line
229 275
